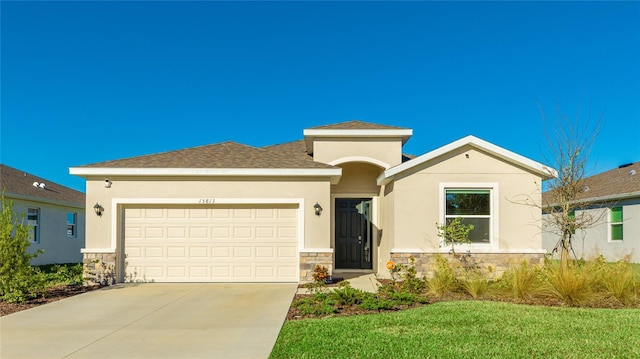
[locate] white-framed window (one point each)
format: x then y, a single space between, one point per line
72 218
615 224
33 220
474 204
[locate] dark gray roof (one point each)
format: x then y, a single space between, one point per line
14 181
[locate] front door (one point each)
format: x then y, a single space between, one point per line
353 237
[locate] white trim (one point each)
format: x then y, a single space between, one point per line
328 132
97 250
471 250
360 159
533 166
494 216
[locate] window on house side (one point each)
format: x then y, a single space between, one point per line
71 225
473 206
615 222
33 220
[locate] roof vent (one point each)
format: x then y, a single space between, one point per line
36 184
585 189
42 185
632 172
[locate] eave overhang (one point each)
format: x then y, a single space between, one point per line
332 173
539 169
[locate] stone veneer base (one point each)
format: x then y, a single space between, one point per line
99 268
309 260
495 264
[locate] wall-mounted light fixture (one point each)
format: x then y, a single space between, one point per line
99 209
107 183
318 208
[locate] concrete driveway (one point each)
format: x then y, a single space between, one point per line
152 321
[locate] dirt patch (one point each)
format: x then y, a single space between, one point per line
53 294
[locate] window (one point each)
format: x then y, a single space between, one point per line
71 224
473 206
615 222
33 220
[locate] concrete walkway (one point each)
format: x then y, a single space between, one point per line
365 281
152 321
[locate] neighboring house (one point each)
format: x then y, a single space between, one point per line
344 197
613 199
54 212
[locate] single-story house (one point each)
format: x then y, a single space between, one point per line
55 214
612 200
345 197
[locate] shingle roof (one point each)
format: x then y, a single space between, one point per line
357 125
620 181
220 155
14 181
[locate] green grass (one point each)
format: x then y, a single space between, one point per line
467 329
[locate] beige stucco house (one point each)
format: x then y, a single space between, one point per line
55 214
345 197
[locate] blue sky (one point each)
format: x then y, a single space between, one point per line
84 82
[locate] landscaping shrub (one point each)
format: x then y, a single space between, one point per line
444 279
63 274
522 280
19 281
404 277
620 281
574 285
475 283
320 273
318 305
345 294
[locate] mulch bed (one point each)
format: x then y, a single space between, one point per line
53 294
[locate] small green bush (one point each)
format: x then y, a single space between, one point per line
374 302
63 274
315 305
345 294
19 281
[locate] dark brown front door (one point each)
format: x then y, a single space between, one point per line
353 233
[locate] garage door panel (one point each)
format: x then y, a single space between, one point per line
176 252
242 233
211 244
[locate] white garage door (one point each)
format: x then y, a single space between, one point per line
211 244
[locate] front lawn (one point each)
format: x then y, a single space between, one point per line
467 329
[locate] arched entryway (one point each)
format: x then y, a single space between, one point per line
355 208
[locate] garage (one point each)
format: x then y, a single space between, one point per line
214 243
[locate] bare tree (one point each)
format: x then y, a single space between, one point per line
569 144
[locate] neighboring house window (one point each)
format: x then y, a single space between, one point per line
615 223
473 206
71 224
33 220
